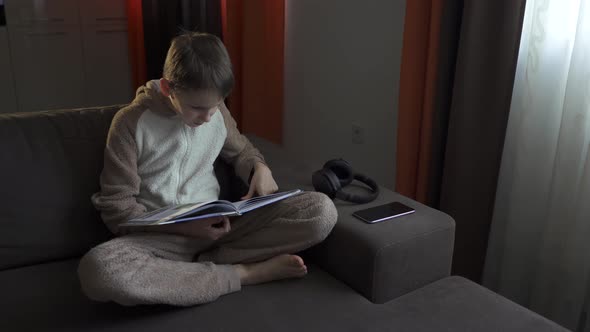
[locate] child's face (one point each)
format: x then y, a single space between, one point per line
195 107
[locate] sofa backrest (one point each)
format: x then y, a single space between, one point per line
50 163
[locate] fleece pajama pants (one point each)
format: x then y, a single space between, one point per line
150 268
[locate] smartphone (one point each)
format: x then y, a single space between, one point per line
383 212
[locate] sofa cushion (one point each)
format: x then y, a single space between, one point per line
47 297
50 166
457 304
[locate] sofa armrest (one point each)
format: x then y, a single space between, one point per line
386 260
381 261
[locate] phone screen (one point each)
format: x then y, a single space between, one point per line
383 212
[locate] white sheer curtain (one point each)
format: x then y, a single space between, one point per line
539 248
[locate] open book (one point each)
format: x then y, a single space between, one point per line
193 211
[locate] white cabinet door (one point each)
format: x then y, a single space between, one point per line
7 93
106 62
34 12
48 67
69 53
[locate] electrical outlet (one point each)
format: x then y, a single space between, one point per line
358 134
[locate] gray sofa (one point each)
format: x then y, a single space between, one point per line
391 276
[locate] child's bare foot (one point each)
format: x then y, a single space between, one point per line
279 267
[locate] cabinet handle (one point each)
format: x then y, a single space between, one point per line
110 31
53 33
108 19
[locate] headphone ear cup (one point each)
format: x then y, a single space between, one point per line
325 181
333 179
342 170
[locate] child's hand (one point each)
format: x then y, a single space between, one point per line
262 182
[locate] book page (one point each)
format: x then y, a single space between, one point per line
170 212
187 212
198 216
260 201
217 207
163 213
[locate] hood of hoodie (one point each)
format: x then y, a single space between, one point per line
150 96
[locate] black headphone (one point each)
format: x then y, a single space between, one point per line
337 174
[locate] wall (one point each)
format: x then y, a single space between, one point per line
342 61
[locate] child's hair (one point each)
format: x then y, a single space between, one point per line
198 61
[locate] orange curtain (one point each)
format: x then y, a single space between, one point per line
253 32
136 43
416 97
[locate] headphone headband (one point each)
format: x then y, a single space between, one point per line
338 173
360 198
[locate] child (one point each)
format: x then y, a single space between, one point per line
160 151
